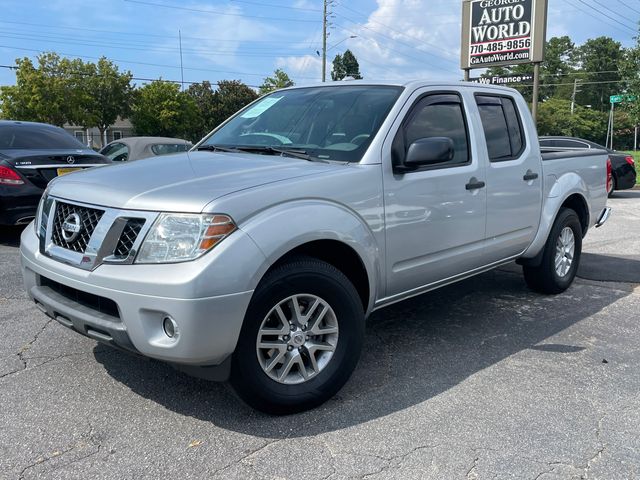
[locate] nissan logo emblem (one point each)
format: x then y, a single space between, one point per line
71 227
71 159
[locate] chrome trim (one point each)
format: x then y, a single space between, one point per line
61 165
103 241
604 216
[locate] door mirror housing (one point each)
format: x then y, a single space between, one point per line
427 151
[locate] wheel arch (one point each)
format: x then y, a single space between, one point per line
575 200
319 229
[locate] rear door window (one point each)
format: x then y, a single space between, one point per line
502 127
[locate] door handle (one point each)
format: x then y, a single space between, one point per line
474 184
530 176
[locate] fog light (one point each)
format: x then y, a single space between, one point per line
170 327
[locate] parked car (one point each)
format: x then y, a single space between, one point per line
31 155
298 217
137 148
623 165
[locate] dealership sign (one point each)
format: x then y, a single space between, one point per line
502 32
502 80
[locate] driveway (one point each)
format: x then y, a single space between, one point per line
479 380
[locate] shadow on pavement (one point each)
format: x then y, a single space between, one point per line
10 235
414 351
621 194
607 268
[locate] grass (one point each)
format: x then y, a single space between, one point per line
636 155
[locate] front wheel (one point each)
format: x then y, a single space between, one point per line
301 338
561 256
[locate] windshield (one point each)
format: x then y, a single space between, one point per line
38 137
331 123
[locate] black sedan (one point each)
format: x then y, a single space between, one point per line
623 165
31 155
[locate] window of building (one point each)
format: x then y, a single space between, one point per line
79 134
117 134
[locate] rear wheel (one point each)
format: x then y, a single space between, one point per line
301 338
561 256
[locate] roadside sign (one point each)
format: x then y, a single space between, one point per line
622 98
502 80
502 32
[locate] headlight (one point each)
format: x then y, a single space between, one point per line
38 221
180 237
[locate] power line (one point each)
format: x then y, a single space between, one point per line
419 60
209 70
628 6
439 47
120 33
612 11
272 5
159 49
215 12
605 15
142 79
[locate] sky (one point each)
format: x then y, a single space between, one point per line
247 39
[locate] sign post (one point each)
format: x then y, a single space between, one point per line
504 32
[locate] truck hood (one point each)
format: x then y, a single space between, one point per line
179 183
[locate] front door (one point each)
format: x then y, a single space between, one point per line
435 216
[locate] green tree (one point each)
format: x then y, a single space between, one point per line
106 95
599 59
42 93
279 80
161 109
555 118
630 72
345 65
204 98
231 96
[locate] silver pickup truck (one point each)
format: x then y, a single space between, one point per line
258 255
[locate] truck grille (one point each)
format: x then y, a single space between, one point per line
88 220
128 237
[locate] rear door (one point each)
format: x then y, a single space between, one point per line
514 177
434 216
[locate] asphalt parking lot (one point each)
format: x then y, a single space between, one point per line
479 380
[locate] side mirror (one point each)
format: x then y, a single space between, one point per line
428 151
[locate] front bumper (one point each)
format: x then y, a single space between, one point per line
123 311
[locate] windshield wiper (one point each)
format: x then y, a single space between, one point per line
218 148
292 152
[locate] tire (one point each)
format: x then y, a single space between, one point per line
301 281
546 278
613 187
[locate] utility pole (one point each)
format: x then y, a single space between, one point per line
324 41
325 34
181 68
573 96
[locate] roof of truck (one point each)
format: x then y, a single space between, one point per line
409 84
